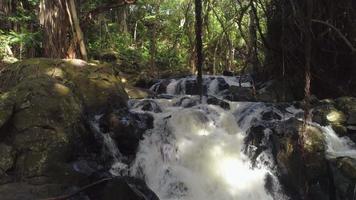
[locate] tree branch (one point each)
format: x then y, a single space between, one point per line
342 36
107 7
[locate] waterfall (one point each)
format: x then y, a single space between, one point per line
197 153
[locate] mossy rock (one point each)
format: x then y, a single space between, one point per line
43 103
327 114
348 167
300 164
346 104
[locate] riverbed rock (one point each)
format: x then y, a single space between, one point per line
241 94
300 165
218 102
126 128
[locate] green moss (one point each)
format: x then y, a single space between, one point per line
45 100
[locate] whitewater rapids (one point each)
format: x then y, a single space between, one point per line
197 154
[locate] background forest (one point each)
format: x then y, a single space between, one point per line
267 38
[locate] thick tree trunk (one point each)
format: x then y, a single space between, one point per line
199 45
55 22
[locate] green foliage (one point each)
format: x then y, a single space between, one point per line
150 28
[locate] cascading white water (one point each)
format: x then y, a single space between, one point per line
196 151
179 86
196 154
337 146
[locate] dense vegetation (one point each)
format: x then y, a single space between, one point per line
269 38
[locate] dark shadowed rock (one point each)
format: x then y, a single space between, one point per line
126 128
148 105
241 94
123 188
218 102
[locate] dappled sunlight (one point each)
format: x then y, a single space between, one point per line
61 89
335 116
76 62
55 72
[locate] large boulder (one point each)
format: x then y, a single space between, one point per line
43 104
241 94
300 161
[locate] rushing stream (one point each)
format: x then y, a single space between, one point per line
197 151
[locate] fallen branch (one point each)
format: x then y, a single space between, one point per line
80 190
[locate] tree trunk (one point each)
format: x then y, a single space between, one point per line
122 18
252 52
153 48
308 56
78 30
55 22
199 45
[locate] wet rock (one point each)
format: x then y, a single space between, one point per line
222 85
161 87
218 102
165 96
125 188
187 102
325 113
298 169
191 87
148 105
241 94
127 129
270 116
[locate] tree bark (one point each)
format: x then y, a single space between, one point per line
252 51
78 30
55 22
199 45
308 56
122 13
